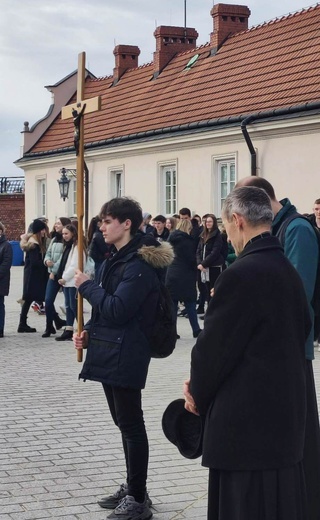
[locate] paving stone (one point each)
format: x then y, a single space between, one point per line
59 449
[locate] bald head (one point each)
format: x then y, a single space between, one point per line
258 182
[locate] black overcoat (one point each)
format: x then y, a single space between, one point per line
5 265
35 274
181 275
248 365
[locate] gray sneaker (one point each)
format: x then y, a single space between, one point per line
129 509
112 501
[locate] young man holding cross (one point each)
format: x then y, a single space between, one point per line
124 302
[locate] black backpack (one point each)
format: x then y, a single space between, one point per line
315 302
163 336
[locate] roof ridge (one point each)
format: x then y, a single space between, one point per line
281 18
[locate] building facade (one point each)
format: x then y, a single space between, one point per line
183 129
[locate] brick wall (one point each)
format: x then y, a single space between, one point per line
12 214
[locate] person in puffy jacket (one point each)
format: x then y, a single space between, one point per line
52 260
124 304
35 273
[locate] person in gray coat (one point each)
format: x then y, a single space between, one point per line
5 266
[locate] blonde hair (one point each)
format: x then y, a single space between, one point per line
184 225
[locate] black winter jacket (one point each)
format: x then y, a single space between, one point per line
124 302
5 265
181 275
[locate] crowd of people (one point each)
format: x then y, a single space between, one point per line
252 281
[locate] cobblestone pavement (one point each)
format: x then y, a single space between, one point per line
59 450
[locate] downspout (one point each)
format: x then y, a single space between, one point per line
252 150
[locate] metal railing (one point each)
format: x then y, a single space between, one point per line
12 185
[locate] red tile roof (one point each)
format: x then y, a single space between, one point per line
274 65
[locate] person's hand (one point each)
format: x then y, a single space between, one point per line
80 277
80 342
189 404
62 281
212 292
200 267
49 263
51 276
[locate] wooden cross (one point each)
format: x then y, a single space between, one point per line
77 111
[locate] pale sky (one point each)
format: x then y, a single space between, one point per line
40 41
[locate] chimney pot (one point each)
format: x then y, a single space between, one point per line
171 41
126 57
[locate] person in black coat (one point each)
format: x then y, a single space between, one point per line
211 253
35 274
248 373
181 275
6 254
124 306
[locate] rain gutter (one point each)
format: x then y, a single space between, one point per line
244 120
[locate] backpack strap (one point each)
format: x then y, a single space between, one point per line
283 228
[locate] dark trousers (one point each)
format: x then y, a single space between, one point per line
2 312
192 314
202 291
24 311
127 414
52 290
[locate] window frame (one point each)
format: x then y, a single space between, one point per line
115 172
163 168
42 197
218 161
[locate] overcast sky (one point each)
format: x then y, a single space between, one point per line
40 41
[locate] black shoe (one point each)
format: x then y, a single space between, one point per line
1 333
59 323
26 328
182 313
196 334
65 336
178 337
201 317
49 331
112 501
200 310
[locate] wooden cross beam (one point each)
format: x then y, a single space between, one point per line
77 111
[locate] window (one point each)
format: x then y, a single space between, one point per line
72 197
117 182
168 179
42 197
226 179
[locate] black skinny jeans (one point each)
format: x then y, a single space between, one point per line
127 414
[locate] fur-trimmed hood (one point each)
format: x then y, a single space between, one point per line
28 242
158 256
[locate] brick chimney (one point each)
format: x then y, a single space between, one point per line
126 57
228 19
171 41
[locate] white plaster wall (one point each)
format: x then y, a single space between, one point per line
289 161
